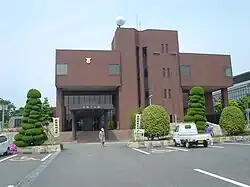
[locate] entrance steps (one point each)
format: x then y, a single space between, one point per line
92 136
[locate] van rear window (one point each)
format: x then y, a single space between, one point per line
187 126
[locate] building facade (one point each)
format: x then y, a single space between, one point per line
100 88
240 88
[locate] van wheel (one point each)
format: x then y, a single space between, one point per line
6 152
205 143
175 143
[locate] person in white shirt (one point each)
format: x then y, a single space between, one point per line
102 136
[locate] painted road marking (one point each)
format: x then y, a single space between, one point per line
236 144
6 158
215 146
46 157
24 158
162 150
178 149
221 178
144 152
10 186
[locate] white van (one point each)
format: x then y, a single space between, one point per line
186 134
4 144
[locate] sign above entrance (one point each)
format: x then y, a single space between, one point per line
88 60
91 106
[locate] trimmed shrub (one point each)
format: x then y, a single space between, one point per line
196 108
232 120
155 121
132 117
31 133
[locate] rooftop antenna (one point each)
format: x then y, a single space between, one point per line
120 21
139 25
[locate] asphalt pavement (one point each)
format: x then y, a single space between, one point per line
224 165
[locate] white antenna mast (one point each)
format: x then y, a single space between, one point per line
137 22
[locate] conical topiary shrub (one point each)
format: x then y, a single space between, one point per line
31 133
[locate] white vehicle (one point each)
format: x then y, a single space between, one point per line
4 144
186 134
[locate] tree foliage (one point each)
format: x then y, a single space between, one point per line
232 120
46 112
10 110
244 103
196 108
155 121
31 133
132 116
231 102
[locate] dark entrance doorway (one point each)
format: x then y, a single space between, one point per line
89 118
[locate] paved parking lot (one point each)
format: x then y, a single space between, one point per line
14 168
224 165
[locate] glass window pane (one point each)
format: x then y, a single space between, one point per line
114 69
185 70
61 69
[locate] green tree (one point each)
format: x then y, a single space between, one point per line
196 108
155 121
132 117
46 112
32 132
10 110
244 103
231 102
232 120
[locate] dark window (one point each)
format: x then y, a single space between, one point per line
145 72
169 93
3 139
166 48
162 48
165 93
168 72
185 70
187 126
138 75
114 69
146 83
163 72
18 123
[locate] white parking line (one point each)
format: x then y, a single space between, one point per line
236 144
6 158
144 152
221 178
176 148
10 186
46 157
215 146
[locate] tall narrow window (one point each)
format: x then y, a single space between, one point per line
165 93
228 72
166 48
163 72
168 72
162 48
138 74
169 94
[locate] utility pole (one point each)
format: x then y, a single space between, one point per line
3 108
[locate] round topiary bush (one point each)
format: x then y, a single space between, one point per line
31 133
155 121
232 120
196 108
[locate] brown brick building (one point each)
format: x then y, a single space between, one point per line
99 88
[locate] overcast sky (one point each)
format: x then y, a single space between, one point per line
31 30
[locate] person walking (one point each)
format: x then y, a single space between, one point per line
102 136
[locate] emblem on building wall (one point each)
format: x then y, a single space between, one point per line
88 60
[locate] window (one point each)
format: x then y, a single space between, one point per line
185 70
162 48
114 69
163 72
166 48
145 72
3 139
228 72
187 126
61 69
165 93
169 93
168 72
